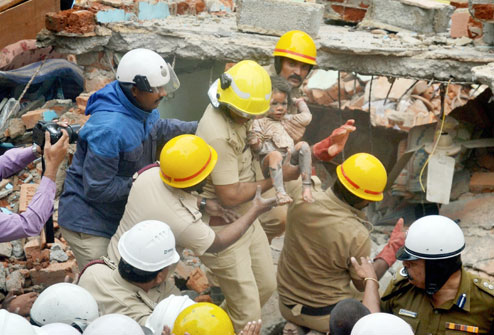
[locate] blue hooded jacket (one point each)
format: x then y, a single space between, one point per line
118 140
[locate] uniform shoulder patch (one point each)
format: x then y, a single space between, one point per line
484 285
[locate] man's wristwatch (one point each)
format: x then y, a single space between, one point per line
202 204
34 149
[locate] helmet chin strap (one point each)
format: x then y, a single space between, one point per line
438 271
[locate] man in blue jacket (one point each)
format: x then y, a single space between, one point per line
122 136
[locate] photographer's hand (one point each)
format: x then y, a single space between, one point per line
55 154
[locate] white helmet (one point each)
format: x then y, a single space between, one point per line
148 246
58 329
381 324
432 237
114 324
64 303
147 70
11 323
165 313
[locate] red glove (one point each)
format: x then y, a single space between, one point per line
331 146
396 241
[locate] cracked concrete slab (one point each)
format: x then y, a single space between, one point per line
208 38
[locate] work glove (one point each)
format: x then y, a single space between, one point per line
395 242
332 145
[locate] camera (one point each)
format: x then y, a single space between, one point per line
55 131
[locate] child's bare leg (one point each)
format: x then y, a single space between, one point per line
301 156
273 160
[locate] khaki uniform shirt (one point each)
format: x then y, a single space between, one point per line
314 268
229 139
151 199
473 306
116 295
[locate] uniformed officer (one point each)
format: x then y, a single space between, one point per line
433 292
148 251
314 271
245 270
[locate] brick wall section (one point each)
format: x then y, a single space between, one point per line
345 10
483 11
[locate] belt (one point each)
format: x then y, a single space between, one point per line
315 311
216 221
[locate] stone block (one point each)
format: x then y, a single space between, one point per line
54 273
276 17
57 254
16 128
27 193
152 9
482 182
32 117
422 16
81 22
198 281
15 281
5 249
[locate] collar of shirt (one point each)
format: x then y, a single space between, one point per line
462 298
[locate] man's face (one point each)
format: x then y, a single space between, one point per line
149 100
416 272
294 71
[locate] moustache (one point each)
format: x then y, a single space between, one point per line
295 76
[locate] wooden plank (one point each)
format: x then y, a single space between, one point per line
6 4
25 20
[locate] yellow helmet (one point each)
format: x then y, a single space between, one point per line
203 318
186 160
296 45
364 175
246 89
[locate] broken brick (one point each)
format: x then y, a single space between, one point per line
56 21
483 11
54 273
32 117
482 182
81 22
349 14
27 193
198 281
464 25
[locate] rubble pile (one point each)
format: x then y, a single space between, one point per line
397 102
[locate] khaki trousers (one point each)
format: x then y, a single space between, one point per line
319 323
245 273
85 247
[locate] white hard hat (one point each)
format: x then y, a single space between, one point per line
58 329
147 69
165 313
148 246
381 324
11 323
64 303
114 324
432 237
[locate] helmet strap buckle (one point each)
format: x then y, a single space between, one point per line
142 83
225 81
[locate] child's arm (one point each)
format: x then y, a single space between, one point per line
304 116
254 137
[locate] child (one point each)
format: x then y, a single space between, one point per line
268 137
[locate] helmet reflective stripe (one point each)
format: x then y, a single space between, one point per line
238 91
355 185
435 256
291 52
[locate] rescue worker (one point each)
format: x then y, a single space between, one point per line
433 292
244 270
294 57
122 136
344 316
314 270
148 252
164 192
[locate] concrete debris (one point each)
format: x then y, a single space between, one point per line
17 249
484 74
15 281
276 17
57 254
5 249
422 16
3 278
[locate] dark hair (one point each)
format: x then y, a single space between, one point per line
344 316
344 194
132 274
280 84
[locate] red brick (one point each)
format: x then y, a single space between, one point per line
82 99
81 22
350 14
54 273
32 117
462 23
483 11
198 281
55 21
482 182
182 8
27 193
459 3
321 97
